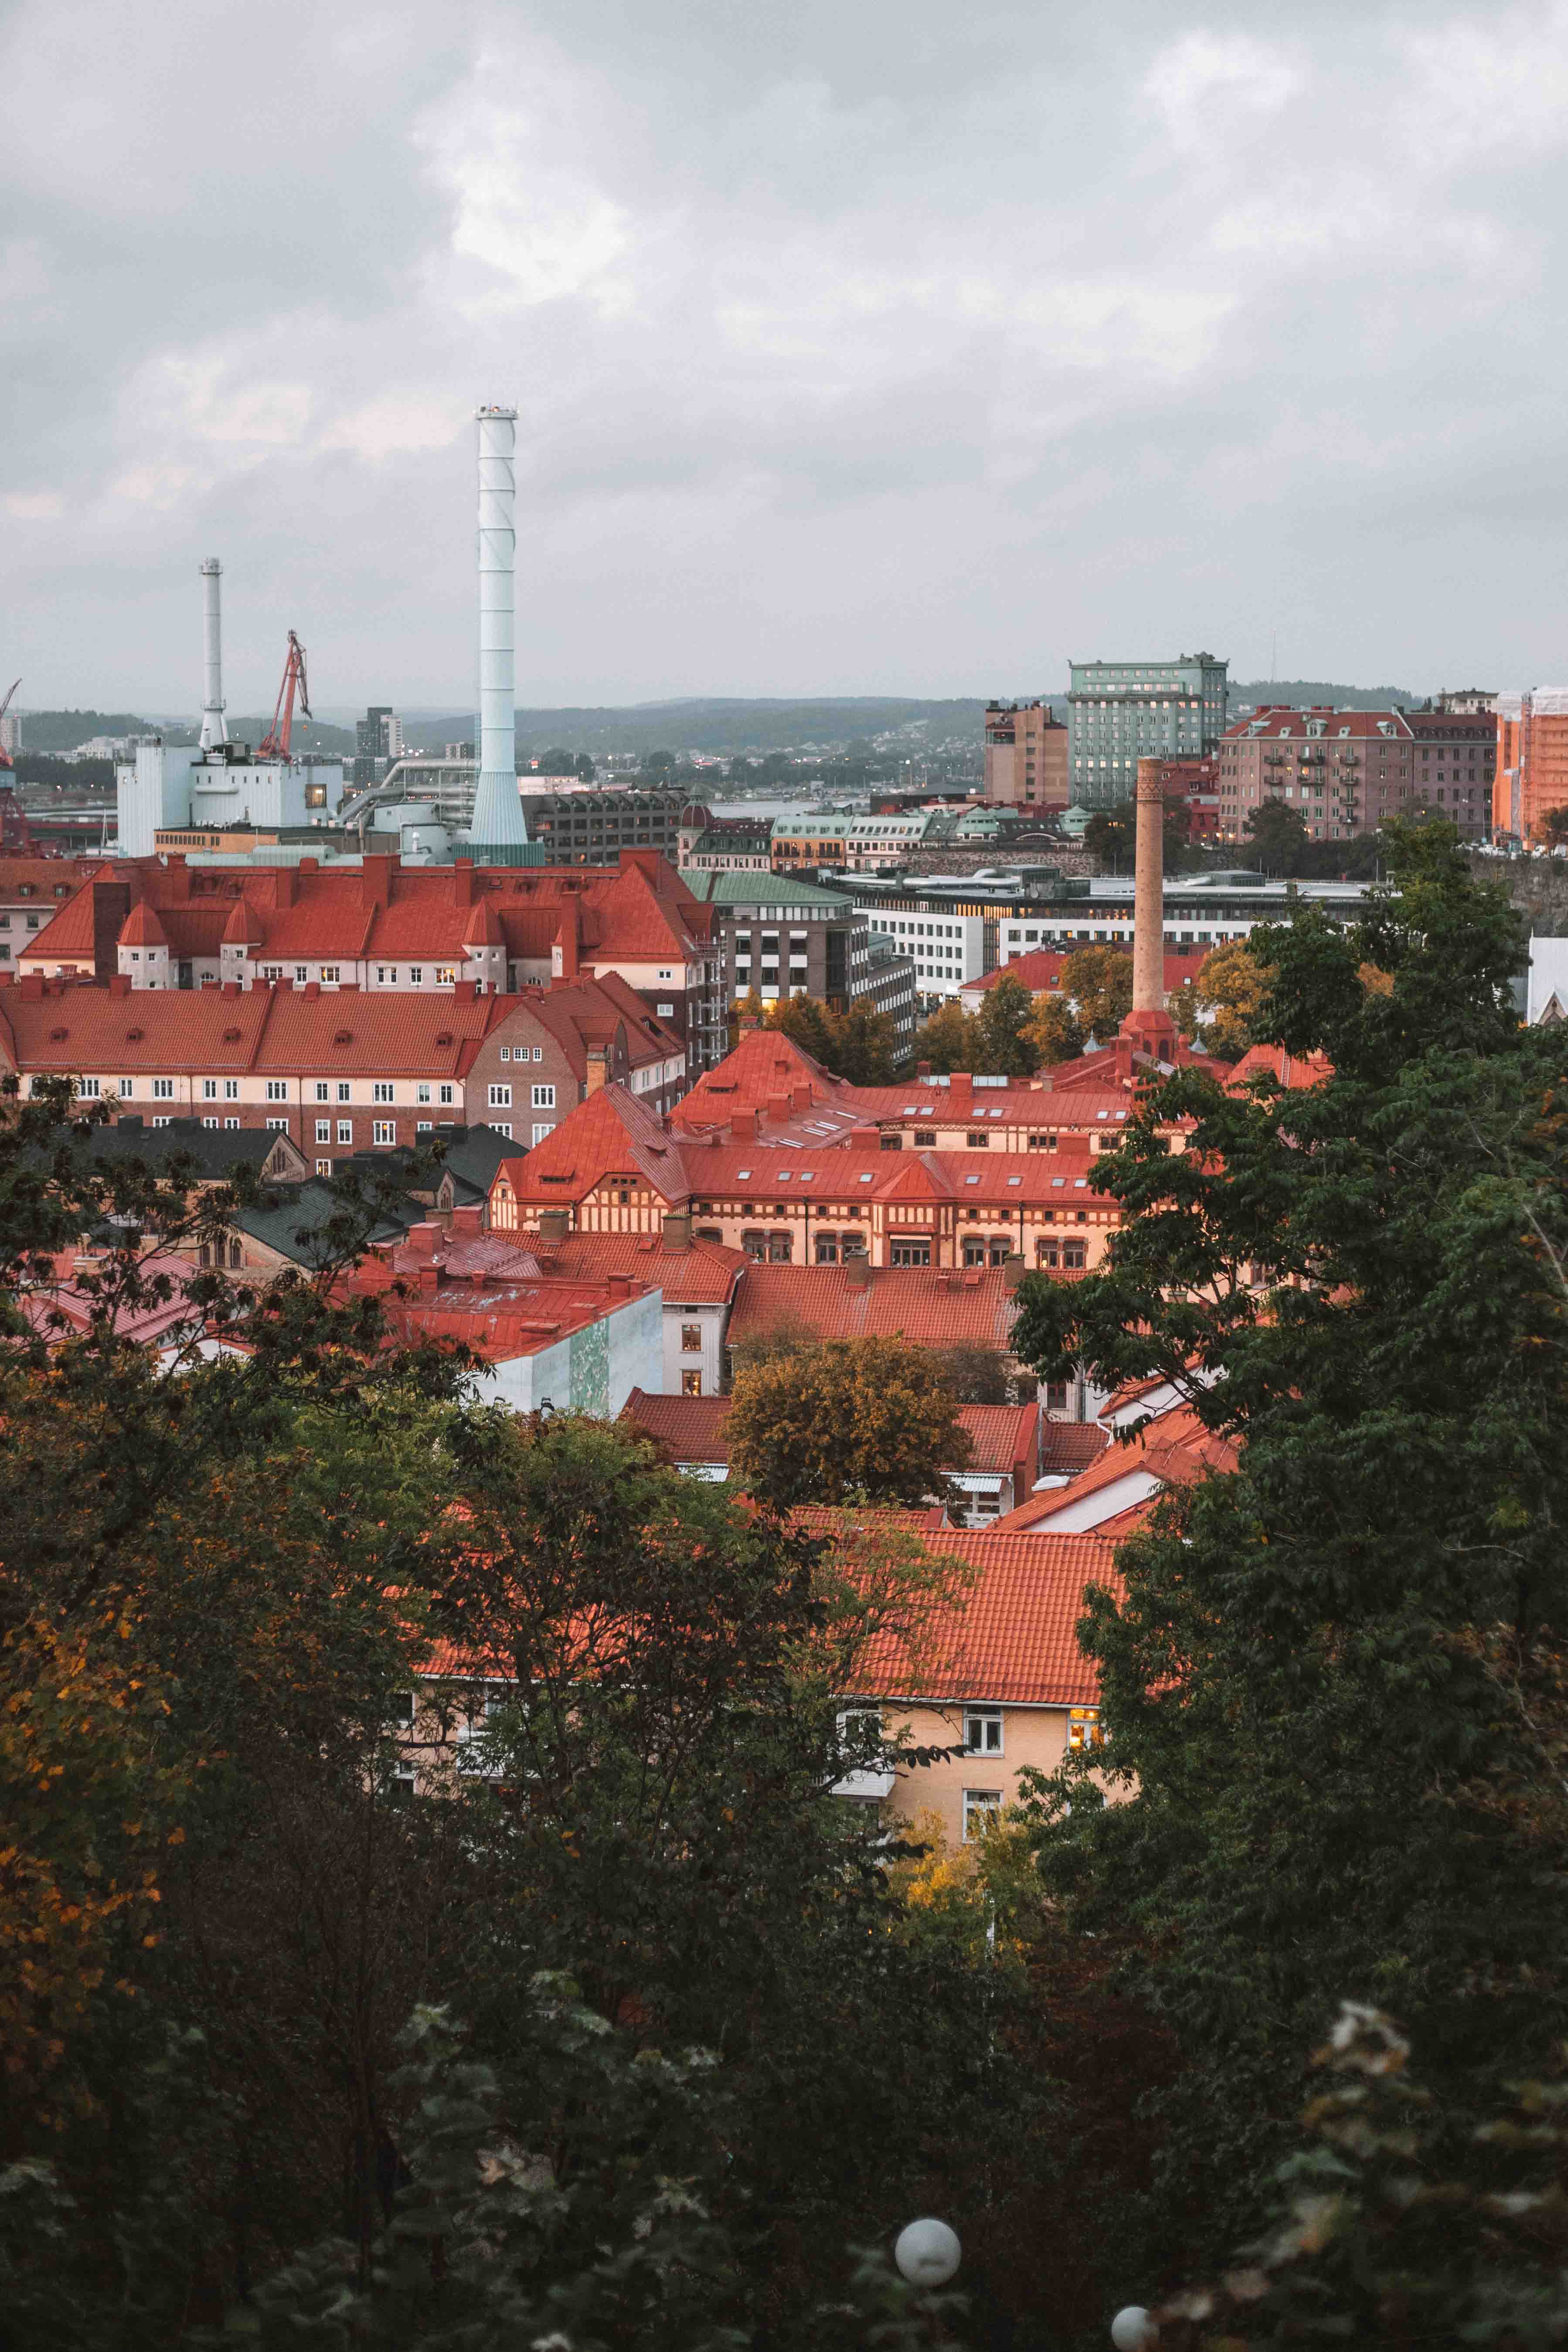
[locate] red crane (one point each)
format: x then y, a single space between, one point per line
16 834
274 745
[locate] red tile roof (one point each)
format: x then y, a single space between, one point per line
611 1132
1011 1638
1174 1447
1069 1446
705 1274
923 1304
1040 969
1001 1436
142 928
1292 1070
688 1429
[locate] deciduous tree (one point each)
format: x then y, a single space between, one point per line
1097 984
859 1417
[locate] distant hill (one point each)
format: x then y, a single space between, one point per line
309 735
1304 690
718 724
62 730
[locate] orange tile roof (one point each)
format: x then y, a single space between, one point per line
688 1428
613 1131
142 928
1011 1638
926 1305
1293 1070
1001 1436
1173 1447
706 1273
1040 969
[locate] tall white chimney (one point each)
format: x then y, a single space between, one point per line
214 731
497 823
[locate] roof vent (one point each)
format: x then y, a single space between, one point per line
231 1036
57 1033
443 1036
343 1038
134 1036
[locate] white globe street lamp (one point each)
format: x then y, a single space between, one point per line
927 2253
1132 2330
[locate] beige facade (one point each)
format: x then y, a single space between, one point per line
968 1787
1025 756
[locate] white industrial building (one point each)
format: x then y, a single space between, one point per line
219 783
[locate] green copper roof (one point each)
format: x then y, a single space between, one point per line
758 889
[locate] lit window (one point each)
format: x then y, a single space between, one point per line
691 1337
383 1130
1085 1729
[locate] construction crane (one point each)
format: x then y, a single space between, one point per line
16 834
274 744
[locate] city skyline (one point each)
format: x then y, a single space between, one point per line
885 355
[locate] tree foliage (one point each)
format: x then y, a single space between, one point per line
858 1044
1098 984
1326 1681
1219 1009
872 1418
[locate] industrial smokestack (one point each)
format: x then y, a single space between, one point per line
498 825
214 731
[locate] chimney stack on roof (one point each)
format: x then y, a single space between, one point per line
857 1270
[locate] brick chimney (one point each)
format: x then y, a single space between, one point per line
598 1067
922 1069
619 1286
778 1107
858 1271
420 1240
555 1225
1013 1270
429 1281
462 882
800 1098
468 1221
677 1230
743 1126
375 878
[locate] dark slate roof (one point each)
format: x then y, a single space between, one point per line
213 1152
473 1156
286 1214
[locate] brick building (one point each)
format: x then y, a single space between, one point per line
1347 771
385 926
342 1071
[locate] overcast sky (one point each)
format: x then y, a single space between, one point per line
860 345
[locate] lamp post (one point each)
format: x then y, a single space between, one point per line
927 2253
1132 2330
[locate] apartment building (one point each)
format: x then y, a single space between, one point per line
856 845
1027 760
32 892
613 1167
340 1072
1121 712
384 925
1346 772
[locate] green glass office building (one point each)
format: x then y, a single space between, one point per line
1121 712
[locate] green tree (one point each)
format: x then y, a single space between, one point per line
1326 1681
1219 1009
1004 1034
1097 984
859 1417
1554 825
865 1045
1278 836
558 762
807 1024
977 1375
1054 1033
948 1042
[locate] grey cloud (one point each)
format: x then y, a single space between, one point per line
875 347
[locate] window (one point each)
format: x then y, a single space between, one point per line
755 1246
343 1093
323 1130
780 1248
1047 1253
422 1091
500 1097
978 1142
925 1139
329 971
543 1097
1085 1729
323 1167
983 1731
209 1122
383 1130
982 1809
416 975
277 1089
691 1338
667 1012
827 1249
87 1089
446 973
209 1090
1075 1254
277 1126
446 1095
542 1127
231 1089
381 1091
691 1383
911 1253
504 1126
300 974
345 1131
163 1090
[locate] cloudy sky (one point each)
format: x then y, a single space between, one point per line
860 345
